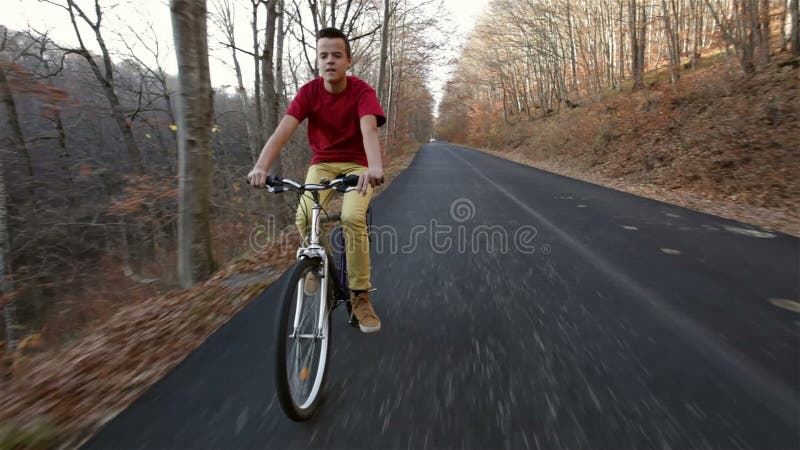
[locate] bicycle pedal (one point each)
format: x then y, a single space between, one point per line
351 317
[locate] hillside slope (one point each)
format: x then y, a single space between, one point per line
718 142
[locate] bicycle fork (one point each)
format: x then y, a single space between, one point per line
314 250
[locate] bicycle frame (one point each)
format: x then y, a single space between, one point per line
338 275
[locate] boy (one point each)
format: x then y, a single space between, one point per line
343 118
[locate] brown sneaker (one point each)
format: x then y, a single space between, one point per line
368 320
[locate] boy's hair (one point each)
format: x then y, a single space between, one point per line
332 32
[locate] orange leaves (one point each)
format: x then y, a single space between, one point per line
24 82
127 206
144 192
82 384
484 124
8 296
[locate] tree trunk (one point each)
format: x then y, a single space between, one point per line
783 24
64 155
384 51
674 57
271 103
573 62
763 24
281 34
795 28
643 41
749 28
20 148
195 257
390 96
12 118
268 69
621 45
251 139
699 24
260 135
610 41
637 46
125 128
316 15
6 286
167 100
677 30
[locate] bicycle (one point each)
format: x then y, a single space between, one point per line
314 287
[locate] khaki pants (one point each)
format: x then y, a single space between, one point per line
353 219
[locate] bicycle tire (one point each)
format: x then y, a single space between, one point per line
291 374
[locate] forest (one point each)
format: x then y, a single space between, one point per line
535 58
90 161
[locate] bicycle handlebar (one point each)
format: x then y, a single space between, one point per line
342 184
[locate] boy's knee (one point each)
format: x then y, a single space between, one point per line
353 221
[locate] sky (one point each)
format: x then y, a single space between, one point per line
126 16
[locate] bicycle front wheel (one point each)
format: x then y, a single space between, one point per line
303 339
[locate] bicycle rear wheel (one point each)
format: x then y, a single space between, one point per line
303 339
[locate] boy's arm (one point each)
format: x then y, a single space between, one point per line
271 150
374 173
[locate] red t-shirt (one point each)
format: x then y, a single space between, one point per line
334 127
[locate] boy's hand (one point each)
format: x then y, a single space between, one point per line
257 177
373 176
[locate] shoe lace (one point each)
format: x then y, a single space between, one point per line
364 307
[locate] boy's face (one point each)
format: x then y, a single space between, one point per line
332 59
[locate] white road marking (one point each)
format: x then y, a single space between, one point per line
760 384
751 233
785 303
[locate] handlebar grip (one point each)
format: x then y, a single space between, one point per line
350 180
274 181
271 181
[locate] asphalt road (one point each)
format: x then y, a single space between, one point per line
551 313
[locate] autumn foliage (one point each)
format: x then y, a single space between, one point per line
719 137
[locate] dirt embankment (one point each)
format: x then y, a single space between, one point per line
718 142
